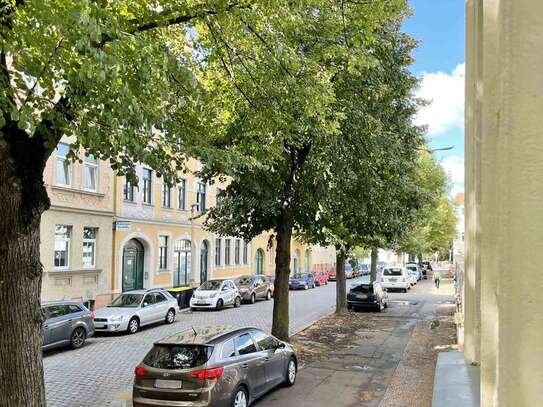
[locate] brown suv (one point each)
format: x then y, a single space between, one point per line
213 366
252 288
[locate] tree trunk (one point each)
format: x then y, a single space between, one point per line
23 200
373 268
341 282
280 324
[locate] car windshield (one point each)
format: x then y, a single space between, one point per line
348 266
177 356
412 268
244 281
127 300
300 275
363 288
393 272
211 285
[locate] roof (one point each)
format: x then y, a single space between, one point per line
64 302
206 335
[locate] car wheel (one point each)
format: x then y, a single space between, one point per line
220 303
313 285
306 287
237 302
405 290
241 398
170 316
268 295
253 298
133 325
290 378
77 339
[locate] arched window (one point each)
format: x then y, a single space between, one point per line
259 262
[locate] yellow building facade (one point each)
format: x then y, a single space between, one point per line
159 239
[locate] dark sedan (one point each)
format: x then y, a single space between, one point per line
367 295
213 366
301 281
66 323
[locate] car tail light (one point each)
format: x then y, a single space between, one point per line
207 374
140 371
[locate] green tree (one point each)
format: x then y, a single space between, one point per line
278 89
112 76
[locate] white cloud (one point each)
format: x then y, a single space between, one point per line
445 94
454 168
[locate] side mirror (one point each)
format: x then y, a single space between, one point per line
144 304
281 345
224 288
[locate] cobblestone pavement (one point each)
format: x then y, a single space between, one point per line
101 373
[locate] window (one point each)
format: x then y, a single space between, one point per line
228 349
244 344
166 196
245 252
218 248
219 196
62 246
265 342
270 256
91 173
147 185
64 167
158 298
182 194
227 252
89 247
55 311
162 252
128 191
182 262
201 197
236 250
177 356
73 309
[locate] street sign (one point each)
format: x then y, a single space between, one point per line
123 225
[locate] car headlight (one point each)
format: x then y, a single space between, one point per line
116 319
213 295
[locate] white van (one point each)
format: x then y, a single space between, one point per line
396 278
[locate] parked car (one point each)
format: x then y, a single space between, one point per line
214 366
364 269
321 278
66 323
215 294
134 309
367 295
414 268
396 278
349 272
252 288
332 275
301 280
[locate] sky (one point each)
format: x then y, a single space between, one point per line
438 26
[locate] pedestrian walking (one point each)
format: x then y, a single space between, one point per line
437 278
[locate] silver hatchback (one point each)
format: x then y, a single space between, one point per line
66 323
213 366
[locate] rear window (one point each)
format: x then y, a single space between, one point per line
412 268
393 272
177 356
363 288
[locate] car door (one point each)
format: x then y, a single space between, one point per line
274 358
147 312
230 292
259 288
46 332
161 306
58 324
252 363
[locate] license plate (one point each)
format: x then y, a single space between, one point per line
168 384
201 303
362 296
392 279
99 326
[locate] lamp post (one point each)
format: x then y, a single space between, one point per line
433 150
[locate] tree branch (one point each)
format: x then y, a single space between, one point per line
173 20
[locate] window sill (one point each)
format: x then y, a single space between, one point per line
79 191
129 202
150 205
70 271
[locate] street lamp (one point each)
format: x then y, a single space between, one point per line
433 150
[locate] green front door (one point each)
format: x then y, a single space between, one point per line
133 266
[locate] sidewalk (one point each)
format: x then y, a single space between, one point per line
371 359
